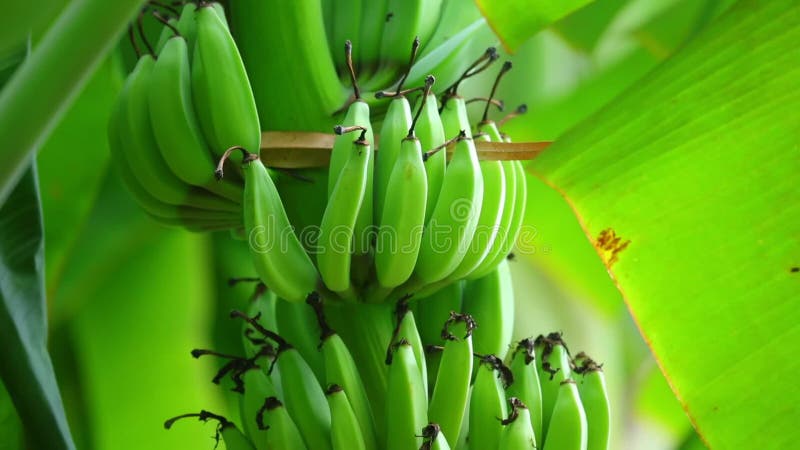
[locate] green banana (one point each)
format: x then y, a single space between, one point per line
509 215
504 246
454 116
487 406
339 220
281 431
518 434
452 381
341 369
430 313
594 397
233 438
568 428
221 89
451 228
141 153
527 386
406 401
166 33
257 387
405 21
433 438
187 26
345 428
175 126
403 218
553 367
373 17
305 399
430 132
357 115
395 126
346 19
490 300
273 243
406 329
297 323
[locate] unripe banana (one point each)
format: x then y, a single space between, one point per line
430 132
341 369
297 323
490 301
510 210
175 126
452 225
568 429
403 218
187 26
258 386
527 386
518 434
373 18
281 431
433 438
454 116
233 438
395 126
220 87
430 313
487 405
140 150
406 330
406 401
357 116
346 24
594 397
450 393
345 429
339 220
406 20
273 243
305 399
553 368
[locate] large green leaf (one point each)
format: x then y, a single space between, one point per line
514 21
49 80
25 365
687 185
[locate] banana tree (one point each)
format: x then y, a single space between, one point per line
656 236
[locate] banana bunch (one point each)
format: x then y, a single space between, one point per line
446 380
182 106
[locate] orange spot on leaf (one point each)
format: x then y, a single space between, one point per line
609 245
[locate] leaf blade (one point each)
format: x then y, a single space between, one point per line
673 167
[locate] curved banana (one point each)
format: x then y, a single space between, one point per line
305 399
220 87
452 225
495 253
273 243
406 330
450 393
487 406
430 132
395 126
405 21
297 323
166 34
341 369
345 428
140 150
373 18
233 438
258 386
187 26
568 429
281 431
339 220
346 24
518 434
594 397
357 116
406 400
553 367
514 225
403 218
490 300
527 386
175 126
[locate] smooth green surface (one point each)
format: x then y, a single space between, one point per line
35 98
25 365
697 167
514 21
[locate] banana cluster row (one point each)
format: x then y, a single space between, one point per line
183 104
398 221
437 388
